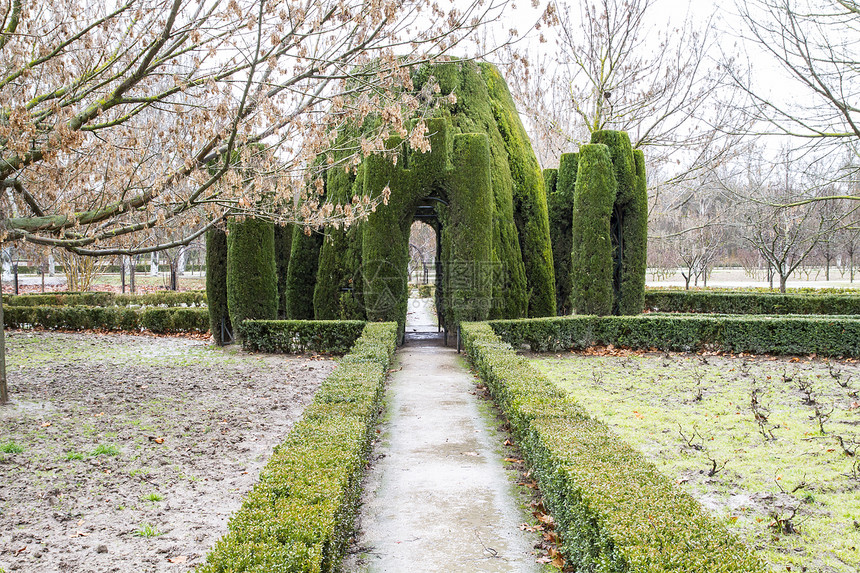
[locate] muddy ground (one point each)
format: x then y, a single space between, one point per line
130 452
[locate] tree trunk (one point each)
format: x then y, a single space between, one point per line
4 393
782 280
131 274
15 275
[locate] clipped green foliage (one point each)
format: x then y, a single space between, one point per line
467 239
283 248
751 303
162 320
560 204
529 195
613 510
824 336
162 298
298 517
292 336
302 274
633 226
216 284
592 267
252 279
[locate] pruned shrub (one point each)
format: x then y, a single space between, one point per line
298 517
291 336
612 508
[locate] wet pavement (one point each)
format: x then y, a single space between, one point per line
437 496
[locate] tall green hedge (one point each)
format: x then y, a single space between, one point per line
216 283
634 233
529 194
467 238
283 248
302 274
592 266
252 277
560 203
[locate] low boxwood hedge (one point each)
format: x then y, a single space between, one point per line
825 336
335 336
751 302
160 320
164 298
613 509
298 517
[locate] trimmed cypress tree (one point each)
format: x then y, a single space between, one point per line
216 283
252 277
529 195
621 152
560 204
634 231
467 238
283 247
591 255
302 274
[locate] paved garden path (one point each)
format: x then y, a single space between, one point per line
437 497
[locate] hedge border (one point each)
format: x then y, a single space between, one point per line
824 336
298 517
612 508
167 298
290 336
751 302
160 320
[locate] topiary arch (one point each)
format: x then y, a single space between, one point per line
480 187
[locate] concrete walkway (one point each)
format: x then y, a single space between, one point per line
437 497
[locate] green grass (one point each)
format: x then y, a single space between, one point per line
781 485
11 447
74 456
154 496
105 450
146 530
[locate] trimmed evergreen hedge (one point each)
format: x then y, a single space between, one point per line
751 302
252 276
162 320
298 517
290 336
825 336
166 298
216 283
613 509
592 262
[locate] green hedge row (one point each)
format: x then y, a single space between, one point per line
298 518
613 509
165 298
751 303
825 336
336 336
110 318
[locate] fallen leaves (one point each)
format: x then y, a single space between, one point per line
156 439
178 559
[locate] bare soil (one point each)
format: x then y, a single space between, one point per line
130 452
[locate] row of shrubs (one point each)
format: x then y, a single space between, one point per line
163 298
110 318
298 518
613 509
825 336
290 336
751 302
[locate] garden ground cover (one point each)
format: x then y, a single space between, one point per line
781 485
128 452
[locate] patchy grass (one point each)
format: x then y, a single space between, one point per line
105 450
11 447
769 445
147 530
